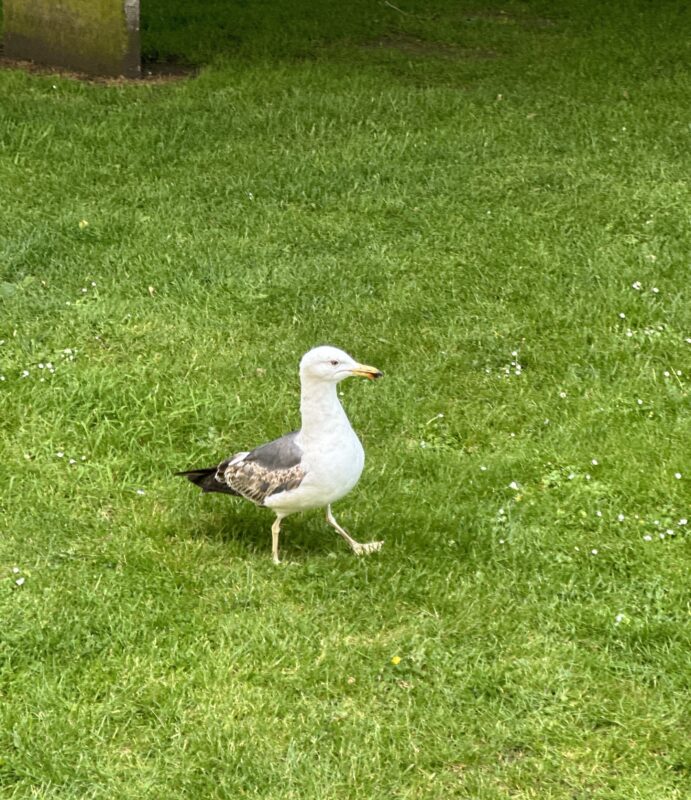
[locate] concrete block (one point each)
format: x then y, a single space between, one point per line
100 37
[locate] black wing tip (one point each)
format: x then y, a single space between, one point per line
200 477
206 480
191 474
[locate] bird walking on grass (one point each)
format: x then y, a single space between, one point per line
309 468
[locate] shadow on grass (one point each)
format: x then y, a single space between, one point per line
178 38
247 531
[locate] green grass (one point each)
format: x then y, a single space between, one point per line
432 191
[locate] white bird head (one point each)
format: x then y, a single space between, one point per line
331 365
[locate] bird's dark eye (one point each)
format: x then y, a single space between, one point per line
334 363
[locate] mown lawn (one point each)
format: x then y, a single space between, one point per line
488 202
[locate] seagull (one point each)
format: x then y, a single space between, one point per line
309 468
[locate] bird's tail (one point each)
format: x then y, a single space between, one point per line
205 479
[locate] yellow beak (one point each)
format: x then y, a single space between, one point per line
363 371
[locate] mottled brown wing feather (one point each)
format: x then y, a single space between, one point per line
256 481
268 469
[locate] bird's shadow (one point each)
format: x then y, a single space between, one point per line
247 530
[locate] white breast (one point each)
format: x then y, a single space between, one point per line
333 465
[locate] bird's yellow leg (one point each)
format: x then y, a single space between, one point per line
275 530
359 548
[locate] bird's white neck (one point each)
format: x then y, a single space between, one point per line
320 408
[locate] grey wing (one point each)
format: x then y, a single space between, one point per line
271 468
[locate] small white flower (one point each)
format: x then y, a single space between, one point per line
666 373
677 475
546 422
619 618
20 581
639 401
483 468
501 541
15 570
93 283
2 377
678 372
83 289
594 551
514 353
140 491
688 340
654 290
40 366
572 475
501 512
562 395
514 485
25 374
683 521
598 513
83 458
661 535
587 476
621 517
59 454
636 285
647 538
669 532
629 333
622 315
72 461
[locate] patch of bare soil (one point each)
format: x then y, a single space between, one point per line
153 72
